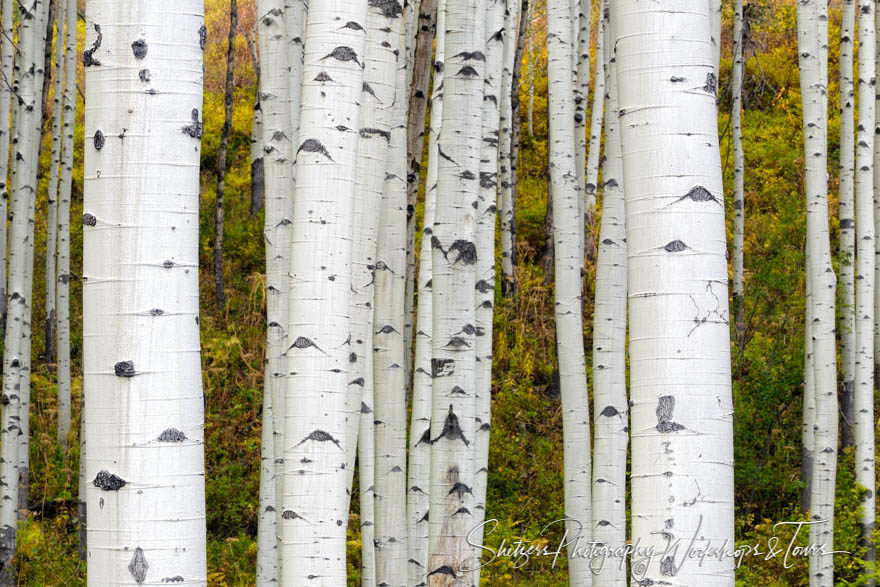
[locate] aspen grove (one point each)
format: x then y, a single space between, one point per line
435 293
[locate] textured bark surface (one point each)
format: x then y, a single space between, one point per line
568 228
319 324
680 373
596 120
812 24
418 473
6 67
610 406
506 178
454 257
144 404
865 273
738 69
847 289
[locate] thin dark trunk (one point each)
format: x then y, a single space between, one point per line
220 295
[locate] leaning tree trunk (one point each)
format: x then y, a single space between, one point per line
738 171
812 17
313 524
596 117
52 194
454 260
680 375
865 267
144 404
486 212
610 407
847 292
62 292
7 56
389 350
17 347
219 282
377 105
506 180
418 473
568 227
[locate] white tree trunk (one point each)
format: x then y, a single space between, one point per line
847 291
313 524
144 404
865 267
377 104
506 180
267 542
485 242
454 261
7 56
51 275
715 35
63 290
812 17
610 406
596 117
809 406
568 228
582 21
17 345
418 473
680 377
738 68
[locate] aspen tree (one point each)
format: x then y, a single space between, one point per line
319 325
258 178
62 293
219 203
809 406
267 541
581 19
812 20
7 56
682 432
454 259
596 117
610 407
389 351
383 29
506 180
144 404
418 473
568 226
496 12
737 72
52 194
865 268
847 292
17 342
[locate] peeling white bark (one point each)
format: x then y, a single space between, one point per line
144 404
682 432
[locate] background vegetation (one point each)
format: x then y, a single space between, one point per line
525 483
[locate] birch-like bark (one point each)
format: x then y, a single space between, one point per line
454 261
418 473
514 61
596 118
52 193
610 407
17 342
219 207
389 350
865 268
496 12
506 181
258 178
313 524
417 92
877 214
267 542
568 227
278 166
738 70
582 22
144 404
531 53
377 103
62 293
847 292
812 19
7 56
680 375
715 35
